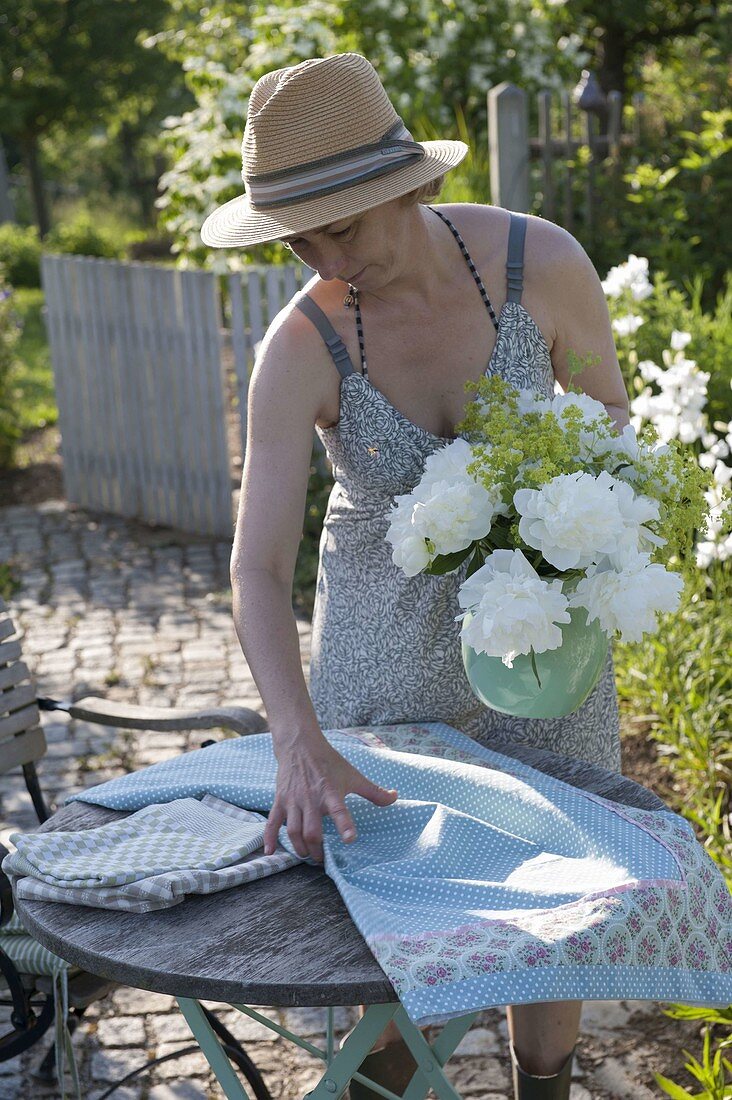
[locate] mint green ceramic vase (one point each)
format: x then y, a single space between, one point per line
567 674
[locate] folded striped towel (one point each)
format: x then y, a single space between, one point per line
149 860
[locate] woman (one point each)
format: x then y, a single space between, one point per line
331 170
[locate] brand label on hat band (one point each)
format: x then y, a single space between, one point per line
395 149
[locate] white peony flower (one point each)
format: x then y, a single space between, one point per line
590 408
448 462
530 401
514 610
625 457
576 519
590 444
411 555
626 594
453 513
447 506
409 550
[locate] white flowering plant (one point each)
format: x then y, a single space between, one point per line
673 392
553 509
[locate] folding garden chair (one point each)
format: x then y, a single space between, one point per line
31 975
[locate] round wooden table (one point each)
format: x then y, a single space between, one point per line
283 940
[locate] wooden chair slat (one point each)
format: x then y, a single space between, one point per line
13 674
9 651
6 628
26 748
17 697
19 722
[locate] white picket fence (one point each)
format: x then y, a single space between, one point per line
256 296
140 383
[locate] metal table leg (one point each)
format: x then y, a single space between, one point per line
211 1047
430 1059
342 1067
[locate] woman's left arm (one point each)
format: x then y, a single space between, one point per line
581 323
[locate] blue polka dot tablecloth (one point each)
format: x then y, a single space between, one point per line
488 882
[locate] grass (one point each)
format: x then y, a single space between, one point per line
34 375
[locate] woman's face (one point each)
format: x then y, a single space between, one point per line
354 248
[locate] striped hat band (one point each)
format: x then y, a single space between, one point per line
271 190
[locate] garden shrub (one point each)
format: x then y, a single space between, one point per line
10 325
20 254
82 236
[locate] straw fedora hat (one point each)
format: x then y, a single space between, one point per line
322 140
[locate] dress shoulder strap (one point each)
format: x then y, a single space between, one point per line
336 347
515 257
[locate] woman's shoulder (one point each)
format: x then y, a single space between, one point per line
486 228
295 358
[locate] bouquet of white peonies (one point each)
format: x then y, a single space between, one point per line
562 518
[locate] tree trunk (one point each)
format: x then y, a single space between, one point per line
7 207
613 59
32 164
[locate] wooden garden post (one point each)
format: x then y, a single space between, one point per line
508 146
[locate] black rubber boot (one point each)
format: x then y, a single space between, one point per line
392 1066
528 1086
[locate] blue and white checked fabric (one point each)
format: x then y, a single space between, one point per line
149 860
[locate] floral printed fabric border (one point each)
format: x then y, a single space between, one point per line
488 882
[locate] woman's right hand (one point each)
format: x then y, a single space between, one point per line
312 781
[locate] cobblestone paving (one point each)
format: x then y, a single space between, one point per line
110 607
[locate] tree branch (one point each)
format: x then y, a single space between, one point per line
686 28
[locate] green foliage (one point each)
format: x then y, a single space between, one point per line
678 684
714 1072
20 254
81 102
9 580
622 35
36 405
61 62
81 233
84 237
306 566
468 181
673 204
681 204
10 324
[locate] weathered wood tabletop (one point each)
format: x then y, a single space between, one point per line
283 940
